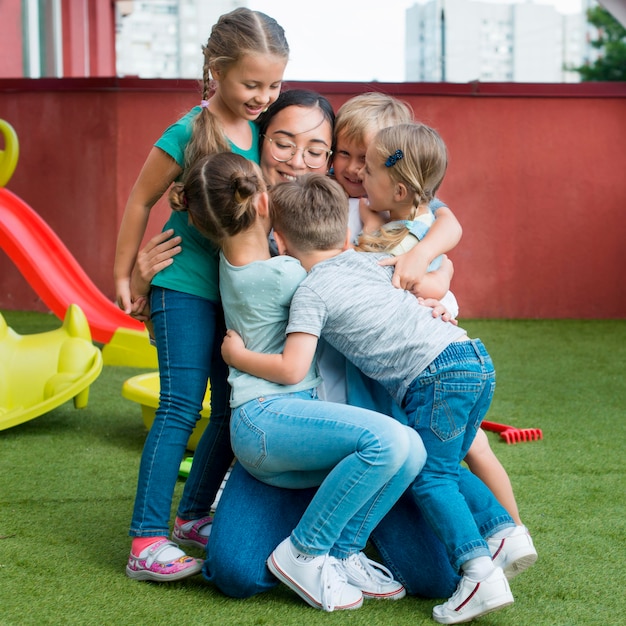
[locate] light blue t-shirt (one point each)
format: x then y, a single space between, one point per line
195 268
256 299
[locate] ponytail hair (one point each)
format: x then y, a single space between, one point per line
383 240
233 36
219 193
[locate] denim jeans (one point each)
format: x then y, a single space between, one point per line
361 460
188 331
446 404
237 552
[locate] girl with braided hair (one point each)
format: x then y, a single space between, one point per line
245 58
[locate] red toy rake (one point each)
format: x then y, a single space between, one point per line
511 434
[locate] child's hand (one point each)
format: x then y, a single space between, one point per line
232 347
438 310
141 308
410 269
123 298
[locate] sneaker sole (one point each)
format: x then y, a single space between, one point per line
519 565
144 574
293 585
469 618
392 595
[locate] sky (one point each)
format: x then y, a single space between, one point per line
342 40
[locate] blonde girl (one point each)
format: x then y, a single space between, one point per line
403 181
244 60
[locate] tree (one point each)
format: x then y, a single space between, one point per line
611 41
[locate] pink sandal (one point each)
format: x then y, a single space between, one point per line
148 566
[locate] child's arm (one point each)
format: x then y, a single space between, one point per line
288 368
158 172
411 268
436 284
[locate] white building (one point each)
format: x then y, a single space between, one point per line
465 40
164 38
446 40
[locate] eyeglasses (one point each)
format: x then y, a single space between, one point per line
283 151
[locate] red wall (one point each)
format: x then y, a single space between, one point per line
536 178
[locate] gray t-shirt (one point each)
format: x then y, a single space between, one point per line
350 302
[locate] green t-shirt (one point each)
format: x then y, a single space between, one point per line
195 269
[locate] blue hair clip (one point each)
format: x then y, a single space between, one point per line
392 159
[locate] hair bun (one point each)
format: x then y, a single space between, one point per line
244 185
177 197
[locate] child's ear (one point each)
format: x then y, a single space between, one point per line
400 192
281 244
263 205
215 71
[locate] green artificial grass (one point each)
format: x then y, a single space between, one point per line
67 484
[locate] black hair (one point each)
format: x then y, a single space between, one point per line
296 97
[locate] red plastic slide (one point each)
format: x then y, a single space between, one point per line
53 272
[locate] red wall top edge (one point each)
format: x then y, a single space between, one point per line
534 90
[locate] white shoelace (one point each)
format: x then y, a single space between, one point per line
363 570
332 580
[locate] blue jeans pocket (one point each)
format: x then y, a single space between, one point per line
247 439
446 405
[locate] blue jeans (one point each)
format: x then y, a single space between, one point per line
237 552
188 331
361 460
446 404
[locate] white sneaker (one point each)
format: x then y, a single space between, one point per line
475 598
514 553
319 580
373 579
